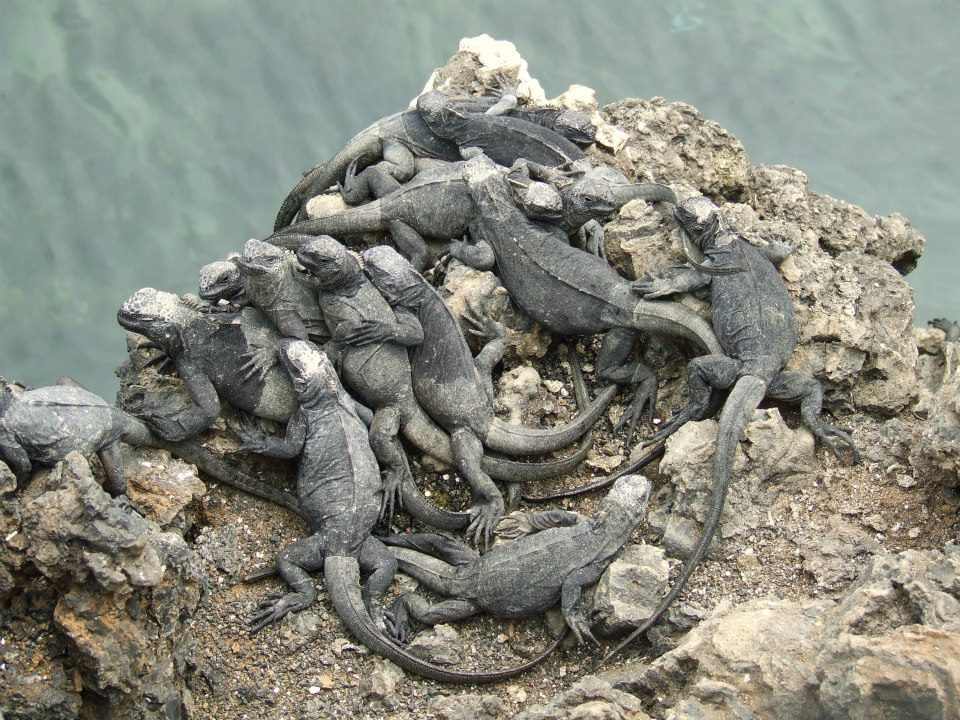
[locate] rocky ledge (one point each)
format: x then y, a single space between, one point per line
832 591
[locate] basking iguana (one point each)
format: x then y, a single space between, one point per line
533 134
338 484
44 425
437 204
455 388
564 555
375 365
569 291
755 321
272 284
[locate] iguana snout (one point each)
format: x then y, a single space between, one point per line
151 312
577 127
328 260
220 280
309 368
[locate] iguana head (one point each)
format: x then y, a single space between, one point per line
700 224
154 314
625 505
330 262
576 126
220 280
541 201
392 274
310 369
261 258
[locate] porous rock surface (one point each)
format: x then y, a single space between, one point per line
830 591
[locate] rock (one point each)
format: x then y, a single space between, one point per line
218 547
49 695
589 699
772 459
126 591
477 64
463 285
516 390
835 554
163 486
381 685
326 204
466 707
629 590
935 454
299 629
914 672
672 142
440 645
888 648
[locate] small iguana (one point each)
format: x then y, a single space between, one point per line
378 370
564 555
455 388
755 321
42 426
437 205
272 284
410 131
569 291
338 483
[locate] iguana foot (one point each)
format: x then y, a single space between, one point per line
273 608
484 517
650 287
392 497
824 432
644 398
480 323
249 433
398 624
580 626
258 363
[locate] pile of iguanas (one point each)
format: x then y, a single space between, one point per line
361 358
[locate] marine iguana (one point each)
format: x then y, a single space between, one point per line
569 291
44 425
378 371
221 280
506 138
455 388
338 483
287 297
564 555
209 351
755 321
437 204
951 328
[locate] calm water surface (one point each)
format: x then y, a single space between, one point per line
140 140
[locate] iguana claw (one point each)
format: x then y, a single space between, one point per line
484 518
274 609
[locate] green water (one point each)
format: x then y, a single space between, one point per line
142 139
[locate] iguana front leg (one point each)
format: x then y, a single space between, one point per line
17 460
669 281
507 96
520 524
404 330
206 403
257 441
571 594
294 564
478 255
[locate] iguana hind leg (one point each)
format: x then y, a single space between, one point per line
487 505
294 563
794 387
705 375
410 243
380 563
451 551
615 365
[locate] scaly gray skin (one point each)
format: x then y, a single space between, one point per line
564 555
408 130
221 281
378 370
211 354
569 291
950 327
754 317
437 205
44 425
338 483
272 283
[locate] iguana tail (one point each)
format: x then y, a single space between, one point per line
342 575
427 437
742 401
663 317
651 192
366 147
342 224
226 473
521 440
